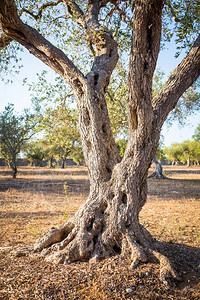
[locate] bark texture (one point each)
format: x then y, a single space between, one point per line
108 223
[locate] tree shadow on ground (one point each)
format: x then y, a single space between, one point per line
181 171
46 186
185 259
174 189
39 171
29 215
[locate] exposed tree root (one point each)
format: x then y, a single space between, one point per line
137 252
63 246
168 274
54 235
140 254
106 225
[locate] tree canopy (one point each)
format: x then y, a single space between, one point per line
196 135
15 130
185 152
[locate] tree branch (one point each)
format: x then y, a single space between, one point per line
145 45
24 139
181 79
74 11
31 39
104 51
41 9
103 3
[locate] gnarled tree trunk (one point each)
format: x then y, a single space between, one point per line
108 223
158 171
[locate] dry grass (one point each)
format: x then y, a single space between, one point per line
36 201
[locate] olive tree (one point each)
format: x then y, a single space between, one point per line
35 152
15 131
108 222
173 153
59 127
196 135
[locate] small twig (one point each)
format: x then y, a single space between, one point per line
41 9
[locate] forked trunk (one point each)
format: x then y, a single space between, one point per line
107 222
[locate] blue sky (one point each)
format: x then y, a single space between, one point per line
176 133
19 95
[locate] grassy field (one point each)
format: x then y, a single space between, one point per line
41 198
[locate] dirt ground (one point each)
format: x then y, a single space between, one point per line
41 198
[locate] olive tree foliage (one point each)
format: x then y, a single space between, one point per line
58 124
35 152
173 153
108 223
60 129
187 152
188 105
196 135
15 131
190 152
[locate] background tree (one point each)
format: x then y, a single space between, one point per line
108 223
195 152
173 153
59 127
35 152
15 130
59 119
187 152
156 163
76 154
160 155
196 135
116 97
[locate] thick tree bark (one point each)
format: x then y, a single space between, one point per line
108 223
4 40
